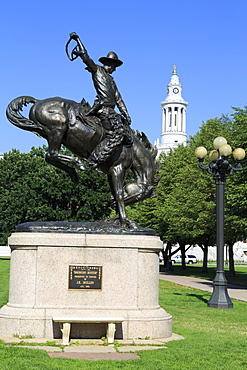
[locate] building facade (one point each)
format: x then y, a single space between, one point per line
174 108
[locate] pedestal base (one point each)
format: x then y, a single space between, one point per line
39 285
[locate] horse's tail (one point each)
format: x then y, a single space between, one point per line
14 115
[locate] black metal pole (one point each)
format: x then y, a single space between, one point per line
220 297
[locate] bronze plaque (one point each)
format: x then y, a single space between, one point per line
85 277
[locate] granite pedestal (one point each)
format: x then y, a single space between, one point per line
39 285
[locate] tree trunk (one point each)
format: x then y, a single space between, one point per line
168 257
168 253
205 259
231 260
165 259
182 247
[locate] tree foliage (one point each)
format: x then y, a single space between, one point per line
32 190
184 211
236 194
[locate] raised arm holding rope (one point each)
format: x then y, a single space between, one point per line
108 97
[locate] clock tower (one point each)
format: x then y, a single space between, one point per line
173 117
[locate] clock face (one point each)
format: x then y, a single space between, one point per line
175 90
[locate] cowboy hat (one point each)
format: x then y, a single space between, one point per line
111 56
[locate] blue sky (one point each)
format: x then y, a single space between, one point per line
205 39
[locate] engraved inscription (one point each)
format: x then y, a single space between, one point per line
85 277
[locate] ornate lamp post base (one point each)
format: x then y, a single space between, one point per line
220 297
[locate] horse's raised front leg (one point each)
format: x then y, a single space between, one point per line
73 160
53 157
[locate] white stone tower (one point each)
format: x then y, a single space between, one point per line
173 117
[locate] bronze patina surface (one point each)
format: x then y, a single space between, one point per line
98 136
96 227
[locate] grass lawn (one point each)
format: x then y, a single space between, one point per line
4 281
214 339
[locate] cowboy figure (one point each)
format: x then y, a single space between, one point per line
116 125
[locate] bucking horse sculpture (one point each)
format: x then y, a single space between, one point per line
61 121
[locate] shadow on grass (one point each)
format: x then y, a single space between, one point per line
198 297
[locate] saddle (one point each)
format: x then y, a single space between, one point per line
84 114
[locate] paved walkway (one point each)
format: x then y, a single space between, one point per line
234 291
95 350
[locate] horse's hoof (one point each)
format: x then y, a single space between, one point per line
93 165
82 167
114 220
126 223
129 224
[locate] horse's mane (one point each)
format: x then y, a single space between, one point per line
143 138
153 151
85 106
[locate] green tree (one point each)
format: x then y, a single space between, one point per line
236 190
188 200
237 196
211 129
235 186
32 190
181 212
184 210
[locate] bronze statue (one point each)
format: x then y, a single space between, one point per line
115 125
96 134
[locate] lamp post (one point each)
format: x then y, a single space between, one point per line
219 167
